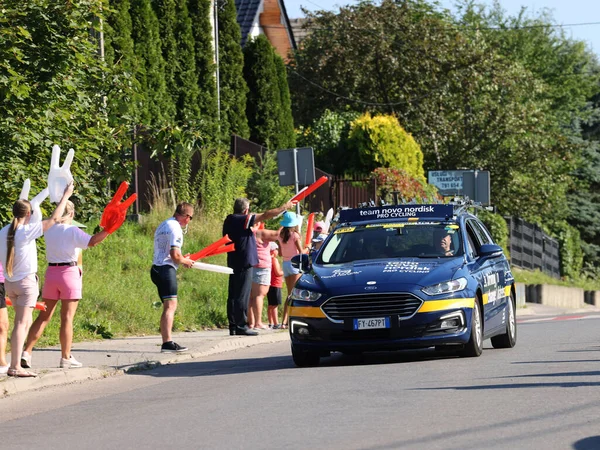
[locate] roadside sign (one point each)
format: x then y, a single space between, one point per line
474 184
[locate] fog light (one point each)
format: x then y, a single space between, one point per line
450 323
299 328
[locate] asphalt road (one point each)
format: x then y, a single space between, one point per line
544 393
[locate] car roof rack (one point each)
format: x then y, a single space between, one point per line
462 204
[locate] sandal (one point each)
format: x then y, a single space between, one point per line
20 373
284 326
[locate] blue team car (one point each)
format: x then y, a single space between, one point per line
403 277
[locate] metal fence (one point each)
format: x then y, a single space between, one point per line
531 248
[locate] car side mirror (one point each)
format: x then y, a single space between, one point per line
488 250
301 262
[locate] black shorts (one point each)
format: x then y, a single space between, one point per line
274 296
2 296
165 279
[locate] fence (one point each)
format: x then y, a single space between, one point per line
531 248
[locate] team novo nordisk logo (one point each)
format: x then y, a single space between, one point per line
397 211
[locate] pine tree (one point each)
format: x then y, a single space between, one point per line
121 59
201 28
188 108
287 135
233 88
177 45
158 107
264 98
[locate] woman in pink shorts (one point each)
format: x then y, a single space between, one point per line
18 256
63 282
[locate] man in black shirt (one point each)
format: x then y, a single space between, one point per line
238 226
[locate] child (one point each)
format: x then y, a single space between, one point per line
290 243
274 294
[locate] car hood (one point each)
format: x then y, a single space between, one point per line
382 275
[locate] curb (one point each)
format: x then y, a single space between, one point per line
58 377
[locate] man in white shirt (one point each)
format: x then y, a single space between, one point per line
168 240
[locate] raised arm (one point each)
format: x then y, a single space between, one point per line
273 212
60 208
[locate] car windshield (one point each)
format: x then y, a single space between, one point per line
387 241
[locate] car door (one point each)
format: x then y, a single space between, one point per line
485 270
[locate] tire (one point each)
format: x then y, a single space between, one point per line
305 358
508 339
475 345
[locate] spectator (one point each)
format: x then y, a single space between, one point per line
261 278
168 240
63 282
274 294
290 243
18 256
3 326
238 226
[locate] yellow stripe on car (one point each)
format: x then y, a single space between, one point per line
441 305
306 311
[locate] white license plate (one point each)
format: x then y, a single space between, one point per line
373 323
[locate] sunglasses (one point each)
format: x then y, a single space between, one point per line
191 217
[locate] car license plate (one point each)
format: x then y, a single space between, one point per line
373 323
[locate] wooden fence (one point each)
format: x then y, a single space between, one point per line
531 248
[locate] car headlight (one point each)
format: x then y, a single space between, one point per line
446 287
305 295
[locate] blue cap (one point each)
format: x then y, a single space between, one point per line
290 219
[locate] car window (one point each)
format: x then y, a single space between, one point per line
472 238
484 233
392 240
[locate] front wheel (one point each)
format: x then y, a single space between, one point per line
475 345
508 339
305 358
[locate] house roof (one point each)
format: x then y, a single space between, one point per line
247 16
246 13
299 29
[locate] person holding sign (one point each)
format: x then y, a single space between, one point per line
168 240
238 226
18 256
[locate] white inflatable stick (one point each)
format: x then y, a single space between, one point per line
328 218
36 212
212 267
59 176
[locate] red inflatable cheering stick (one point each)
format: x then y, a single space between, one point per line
115 212
39 305
308 190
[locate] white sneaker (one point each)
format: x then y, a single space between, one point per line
4 370
70 363
26 360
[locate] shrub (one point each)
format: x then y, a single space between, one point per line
497 227
380 141
408 187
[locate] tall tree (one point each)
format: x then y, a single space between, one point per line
204 67
286 121
465 103
123 105
233 88
52 85
264 98
158 107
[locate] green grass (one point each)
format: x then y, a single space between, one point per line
537 277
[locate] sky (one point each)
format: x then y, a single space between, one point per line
565 12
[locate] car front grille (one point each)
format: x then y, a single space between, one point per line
371 305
